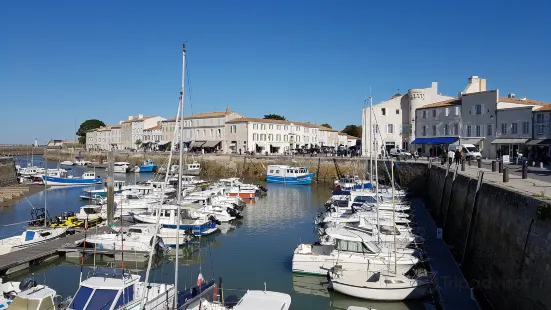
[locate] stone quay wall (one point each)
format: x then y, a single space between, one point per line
8 173
500 237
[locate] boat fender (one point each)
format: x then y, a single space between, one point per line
27 284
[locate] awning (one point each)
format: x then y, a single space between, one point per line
470 140
196 144
509 141
539 142
164 142
211 143
436 140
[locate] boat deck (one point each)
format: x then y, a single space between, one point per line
453 289
23 259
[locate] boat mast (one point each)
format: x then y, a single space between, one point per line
393 214
371 136
377 196
180 172
45 190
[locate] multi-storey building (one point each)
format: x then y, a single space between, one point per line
115 141
152 136
393 121
496 125
167 131
207 130
132 130
91 139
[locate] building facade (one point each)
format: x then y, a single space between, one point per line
207 131
132 130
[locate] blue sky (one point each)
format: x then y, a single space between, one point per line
63 62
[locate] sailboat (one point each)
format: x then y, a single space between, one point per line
379 285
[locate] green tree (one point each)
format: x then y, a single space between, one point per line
86 126
138 143
326 125
274 116
353 130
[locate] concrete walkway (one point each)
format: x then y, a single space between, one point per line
532 187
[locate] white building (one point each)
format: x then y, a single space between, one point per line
328 137
132 130
393 120
481 118
207 130
115 139
272 136
167 131
91 139
152 136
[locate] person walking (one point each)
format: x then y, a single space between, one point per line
457 157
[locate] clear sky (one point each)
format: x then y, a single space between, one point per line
63 62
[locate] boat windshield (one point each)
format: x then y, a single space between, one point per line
24 304
81 298
364 199
102 299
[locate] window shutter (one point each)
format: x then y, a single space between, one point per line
482 109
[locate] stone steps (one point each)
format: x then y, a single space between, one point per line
10 193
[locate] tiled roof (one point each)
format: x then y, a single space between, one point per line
115 127
546 107
272 121
139 119
445 103
208 114
327 129
352 137
169 120
154 128
521 101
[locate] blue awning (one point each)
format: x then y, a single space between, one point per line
436 140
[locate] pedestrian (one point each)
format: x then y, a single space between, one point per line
457 157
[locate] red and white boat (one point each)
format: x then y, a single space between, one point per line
235 188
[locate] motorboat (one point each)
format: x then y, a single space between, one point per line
110 291
66 163
29 238
102 193
235 188
284 174
80 162
37 297
352 183
168 235
88 178
192 169
402 240
134 242
352 250
223 214
255 299
379 285
200 226
121 167
28 172
148 166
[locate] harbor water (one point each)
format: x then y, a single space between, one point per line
253 253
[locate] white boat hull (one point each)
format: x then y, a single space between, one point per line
383 294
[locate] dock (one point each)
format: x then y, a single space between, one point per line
23 259
453 291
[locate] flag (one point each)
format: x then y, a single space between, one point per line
200 279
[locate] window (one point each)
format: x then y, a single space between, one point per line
297 128
514 128
434 130
233 128
490 130
271 127
390 128
457 111
525 127
278 127
383 111
539 118
446 130
478 109
469 132
255 137
456 129
424 130
262 127
434 113
424 113
285 138
286 127
397 111
447 111
503 128
478 130
270 137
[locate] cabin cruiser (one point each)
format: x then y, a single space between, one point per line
112 291
385 234
135 242
200 226
168 235
102 193
352 183
87 178
30 237
284 174
351 249
235 188
188 181
121 167
223 214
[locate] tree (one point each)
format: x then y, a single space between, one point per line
274 116
86 126
138 143
353 130
326 125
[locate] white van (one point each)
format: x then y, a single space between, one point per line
469 150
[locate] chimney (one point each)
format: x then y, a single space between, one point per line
227 110
120 122
130 117
140 116
511 96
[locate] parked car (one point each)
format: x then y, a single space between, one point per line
399 153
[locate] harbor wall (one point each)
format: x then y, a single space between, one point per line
8 173
500 237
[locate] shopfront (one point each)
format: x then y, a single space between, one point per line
510 147
538 150
433 146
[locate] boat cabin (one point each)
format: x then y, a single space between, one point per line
39 297
89 175
194 166
106 293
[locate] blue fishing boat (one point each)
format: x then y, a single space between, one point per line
349 183
284 174
148 166
102 192
88 178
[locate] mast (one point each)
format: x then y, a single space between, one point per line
371 136
180 172
393 213
45 190
377 196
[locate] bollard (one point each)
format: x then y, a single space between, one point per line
463 165
500 167
479 161
494 168
524 171
505 175
469 161
541 164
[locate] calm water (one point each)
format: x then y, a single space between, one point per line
257 250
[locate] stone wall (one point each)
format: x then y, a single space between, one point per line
8 174
502 238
